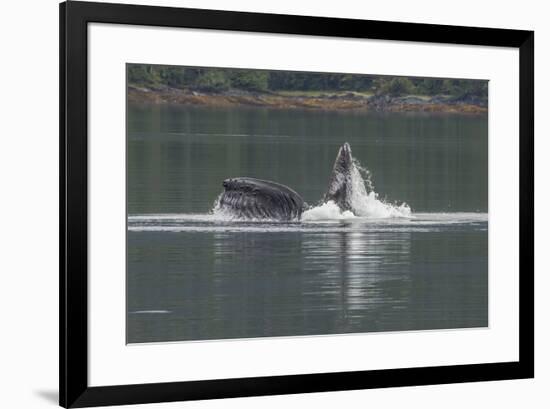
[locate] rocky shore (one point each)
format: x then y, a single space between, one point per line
315 101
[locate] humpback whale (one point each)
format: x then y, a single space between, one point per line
340 185
262 199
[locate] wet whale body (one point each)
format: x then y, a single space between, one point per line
341 184
252 198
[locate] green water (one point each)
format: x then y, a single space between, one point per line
193 278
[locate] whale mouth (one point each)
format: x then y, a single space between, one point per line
344 160
340 186
344 153
251 198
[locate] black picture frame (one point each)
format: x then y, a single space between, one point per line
73 258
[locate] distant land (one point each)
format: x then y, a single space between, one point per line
224 87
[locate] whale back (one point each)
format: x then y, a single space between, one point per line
260 199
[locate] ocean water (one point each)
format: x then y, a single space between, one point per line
412 255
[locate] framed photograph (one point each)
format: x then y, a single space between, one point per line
257 204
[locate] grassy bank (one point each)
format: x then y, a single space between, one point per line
314 100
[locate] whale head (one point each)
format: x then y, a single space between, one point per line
340 185
344 160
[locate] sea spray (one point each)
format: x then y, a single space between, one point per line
365 202
326 211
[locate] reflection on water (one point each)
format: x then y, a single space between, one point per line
304 279
352 270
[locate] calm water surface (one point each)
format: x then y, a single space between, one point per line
194 276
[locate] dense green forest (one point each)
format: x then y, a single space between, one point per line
223 79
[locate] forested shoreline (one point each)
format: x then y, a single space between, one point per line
286 89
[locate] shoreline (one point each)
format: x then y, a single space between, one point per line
322 101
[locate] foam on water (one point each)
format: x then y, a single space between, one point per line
150 312
365 202
326 211
339 223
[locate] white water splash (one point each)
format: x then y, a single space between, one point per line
365 202
326 211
